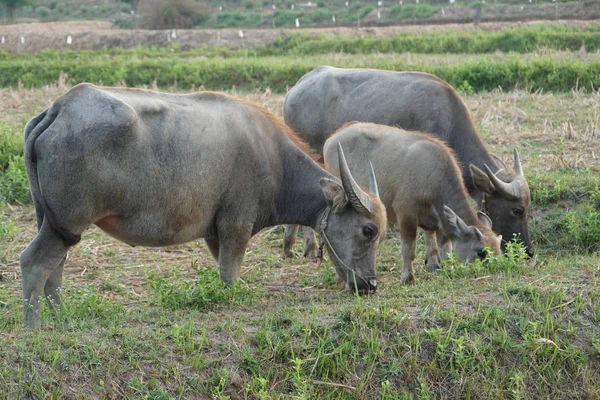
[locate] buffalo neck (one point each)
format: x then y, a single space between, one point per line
455 197
472 151
301 201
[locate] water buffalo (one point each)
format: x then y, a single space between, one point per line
325 99
420 185
157 169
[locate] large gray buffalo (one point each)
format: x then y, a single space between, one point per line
327 98
420 185
158 169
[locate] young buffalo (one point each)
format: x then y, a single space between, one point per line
420 185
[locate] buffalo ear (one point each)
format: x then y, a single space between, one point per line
458 228
481 180
484 219
478 234
334 193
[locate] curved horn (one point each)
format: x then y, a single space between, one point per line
506 189
517 163
357 197
372 181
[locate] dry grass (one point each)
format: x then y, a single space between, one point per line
552 130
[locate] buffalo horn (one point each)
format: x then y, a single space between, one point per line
372 181
509 190
517 163
360 200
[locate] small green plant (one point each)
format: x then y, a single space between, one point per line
514 260
203 293
7 228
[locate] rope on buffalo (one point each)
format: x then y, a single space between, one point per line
323 238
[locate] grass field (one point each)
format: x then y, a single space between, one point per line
156 323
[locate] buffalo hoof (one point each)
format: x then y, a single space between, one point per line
434 267
311 254
408 280
288 253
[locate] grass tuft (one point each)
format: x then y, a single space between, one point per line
203 293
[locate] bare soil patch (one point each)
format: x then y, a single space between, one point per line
62 26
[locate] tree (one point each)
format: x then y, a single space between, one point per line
11 6
166 14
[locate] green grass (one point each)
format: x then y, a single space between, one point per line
279 73
516 338
203 293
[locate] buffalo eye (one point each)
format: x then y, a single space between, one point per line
518 212
482 254
369 232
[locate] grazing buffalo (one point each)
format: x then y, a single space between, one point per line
158 169
327 98
420 185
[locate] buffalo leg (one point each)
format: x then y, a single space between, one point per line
53 286
289 240
408 234
213 246
444 245
41 259
231 252
432 255
310 243
54 282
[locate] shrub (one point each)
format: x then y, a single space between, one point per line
42 11
521 40
10 145
167 14
14 185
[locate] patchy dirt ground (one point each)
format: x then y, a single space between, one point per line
95 35
56 27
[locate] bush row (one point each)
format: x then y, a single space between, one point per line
519 40
279 73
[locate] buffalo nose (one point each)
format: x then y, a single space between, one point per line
530 253
364 286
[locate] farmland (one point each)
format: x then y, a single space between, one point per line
156 323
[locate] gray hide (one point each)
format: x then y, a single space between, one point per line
325 99
421 186
156 169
